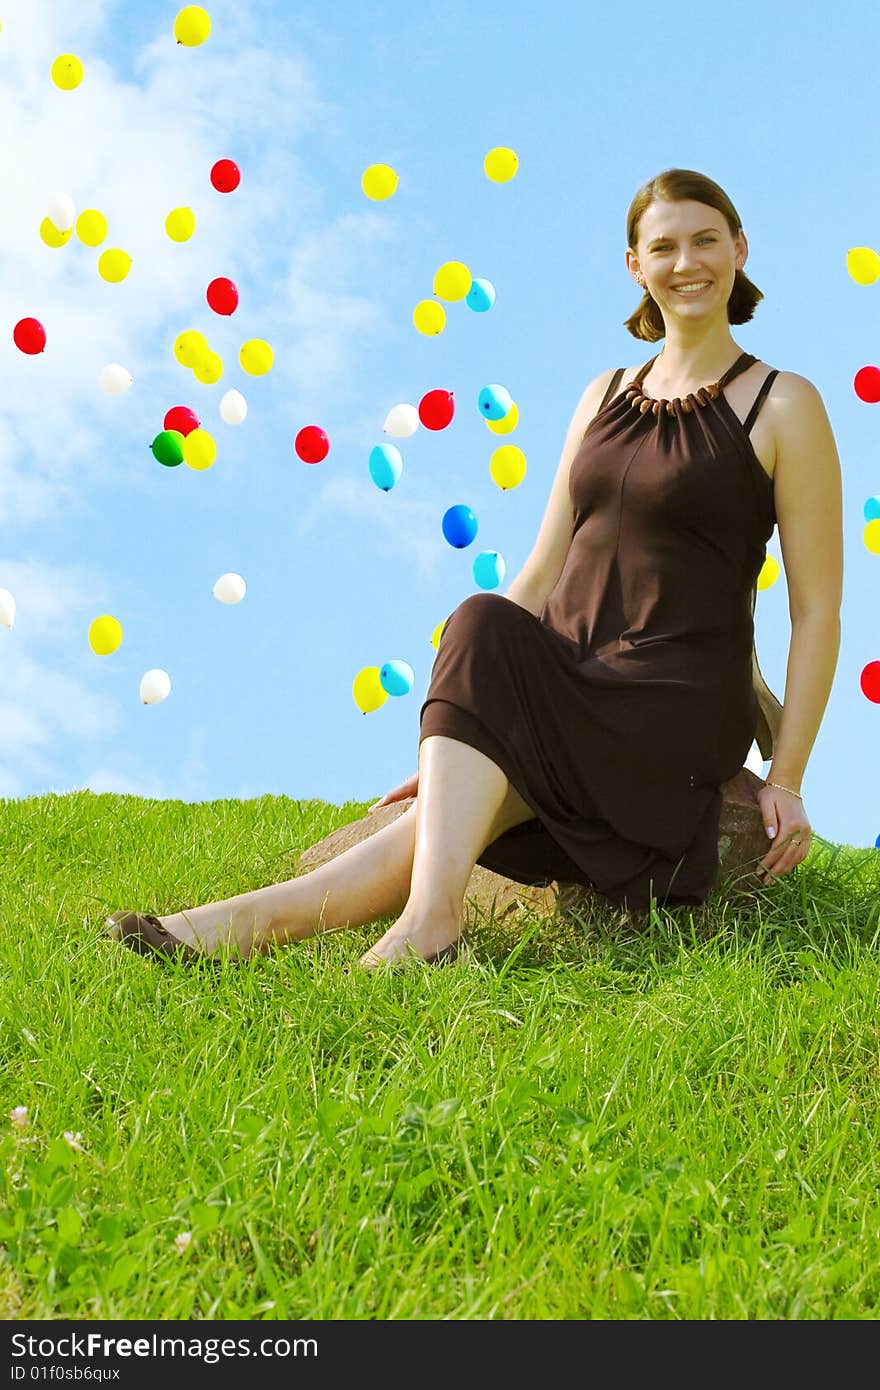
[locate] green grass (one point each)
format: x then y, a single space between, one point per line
595 1118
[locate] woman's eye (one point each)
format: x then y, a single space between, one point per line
701 238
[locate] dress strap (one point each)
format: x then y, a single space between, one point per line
612 387
759 400
745 359
643 371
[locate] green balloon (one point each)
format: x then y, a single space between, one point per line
167 448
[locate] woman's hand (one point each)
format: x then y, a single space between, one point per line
785 820
408 788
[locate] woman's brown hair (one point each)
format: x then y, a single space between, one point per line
675 186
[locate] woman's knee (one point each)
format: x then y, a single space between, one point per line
483 608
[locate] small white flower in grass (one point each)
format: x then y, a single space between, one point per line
72 1140
182 1241
19 1116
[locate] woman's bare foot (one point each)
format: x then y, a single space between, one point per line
409 940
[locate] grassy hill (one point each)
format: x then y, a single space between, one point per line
583 1121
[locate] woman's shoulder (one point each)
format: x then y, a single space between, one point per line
800 424
790 389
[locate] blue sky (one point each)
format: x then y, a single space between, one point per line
773 103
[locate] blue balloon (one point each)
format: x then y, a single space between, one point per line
459 526
489 569
495 402
480 296
872 508
396 677
386 466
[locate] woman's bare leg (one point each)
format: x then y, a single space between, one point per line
464 803
368 881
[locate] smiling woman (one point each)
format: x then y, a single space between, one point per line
578 728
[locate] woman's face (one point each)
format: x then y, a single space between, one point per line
682 244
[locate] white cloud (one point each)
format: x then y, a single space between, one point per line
135 140
41 704
326 322
42 707
135 150
50 601
24 497
412 527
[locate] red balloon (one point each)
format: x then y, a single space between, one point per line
29 335
869 680
225 175
181 418
223 296
866 384
436 409
312 444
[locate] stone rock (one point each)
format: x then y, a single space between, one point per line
742 842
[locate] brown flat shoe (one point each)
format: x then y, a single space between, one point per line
144 933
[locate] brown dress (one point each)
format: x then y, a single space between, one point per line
618 712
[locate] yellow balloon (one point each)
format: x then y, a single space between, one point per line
51 235
209 368
871 536
180 224
438 633
114 265
452 281
367 690
429 317
190 347
379 182
199 449
256 357
863 264
769 574
105 634
500 164
67 72
192 26
507 466
507 424
91 227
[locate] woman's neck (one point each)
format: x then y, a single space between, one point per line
684 374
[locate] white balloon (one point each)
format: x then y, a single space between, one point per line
155 686
230 588
62 212
114 379
7 608
233 408
401 421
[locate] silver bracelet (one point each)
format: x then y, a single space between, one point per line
768 783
